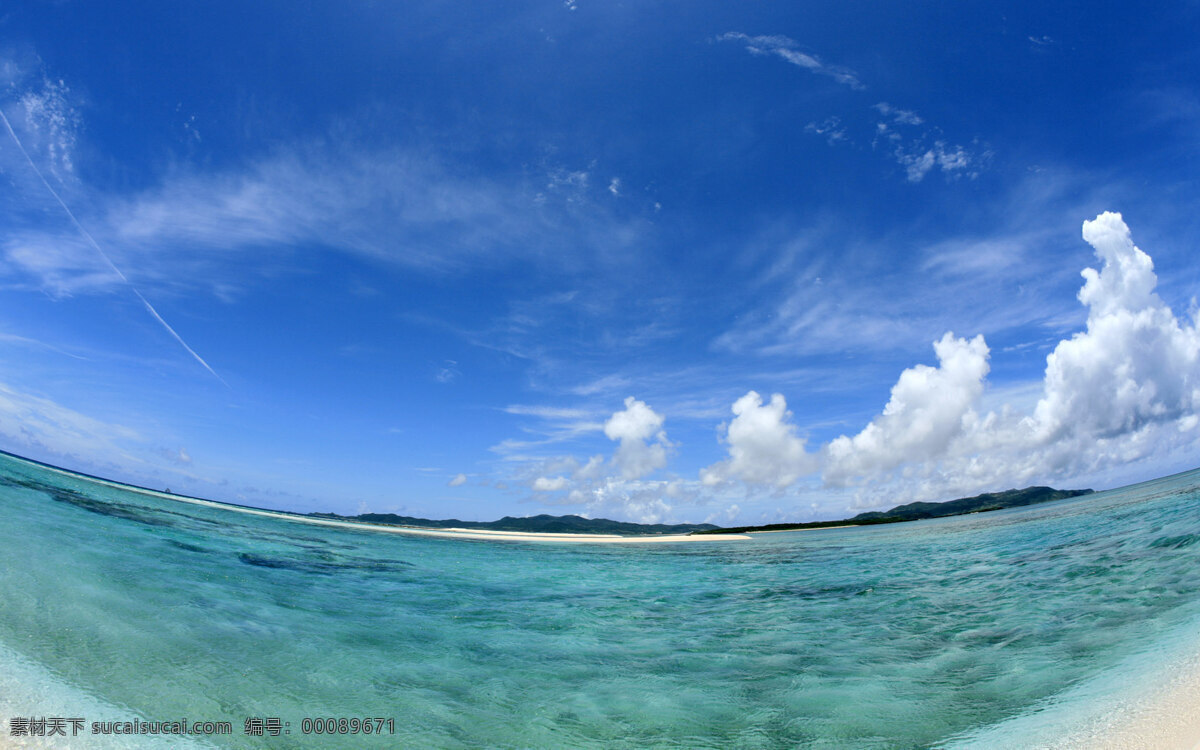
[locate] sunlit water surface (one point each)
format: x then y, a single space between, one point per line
122 603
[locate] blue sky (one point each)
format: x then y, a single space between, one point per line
651 261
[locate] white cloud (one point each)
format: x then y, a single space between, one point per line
916 165
918 161
633 428
952 160
565 179
548 484
448 372
41 111
915 153
825 293
546 412
902 116
831 128
1136 364
551 426
763 446
51 123
929 407
1125 390
923 151
42 426
786 49
62 265
724 517
815 314
614 487
399 207
639 500
458 481
516 450
637 422
605 384
593 469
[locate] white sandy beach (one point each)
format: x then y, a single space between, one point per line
1168 718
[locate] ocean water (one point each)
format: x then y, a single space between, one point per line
1004 629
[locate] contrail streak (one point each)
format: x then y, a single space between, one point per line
99 250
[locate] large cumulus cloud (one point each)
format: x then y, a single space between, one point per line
763 445
929 408
642 444
1124 390
1135 365
1127 388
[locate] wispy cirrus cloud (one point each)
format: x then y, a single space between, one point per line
25 341
789 50
827 290
50 113
918 151
550 430
398 207
44 427
547 412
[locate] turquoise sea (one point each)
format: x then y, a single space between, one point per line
1003 629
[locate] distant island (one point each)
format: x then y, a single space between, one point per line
919 511
571 524
542 524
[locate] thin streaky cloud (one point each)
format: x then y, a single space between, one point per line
26 341
546 412
786 48
95 245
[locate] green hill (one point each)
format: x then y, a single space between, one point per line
918 511
542 523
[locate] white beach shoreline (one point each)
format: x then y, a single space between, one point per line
1167 717
1150 702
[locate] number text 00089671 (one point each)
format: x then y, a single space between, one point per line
344 725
